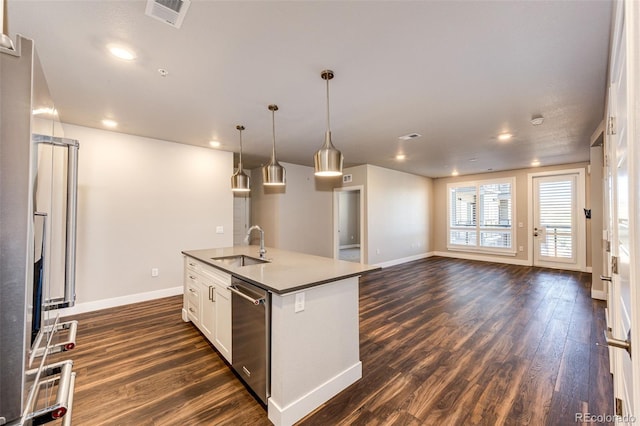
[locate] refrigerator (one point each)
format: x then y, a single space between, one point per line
38 204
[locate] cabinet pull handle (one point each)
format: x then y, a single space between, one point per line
192 310
192 290
192 277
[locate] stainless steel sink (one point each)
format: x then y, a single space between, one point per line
239 260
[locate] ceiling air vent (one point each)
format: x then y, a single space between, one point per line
171 12
410 136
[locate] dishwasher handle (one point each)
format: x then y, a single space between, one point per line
235 290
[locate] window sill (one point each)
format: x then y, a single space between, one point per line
482 251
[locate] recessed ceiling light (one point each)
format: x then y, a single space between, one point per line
214 144
535 163
410 136
121 52
454 173
504 137
163 72
401 157
473 160
109 123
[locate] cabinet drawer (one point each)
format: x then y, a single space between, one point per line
191 265
190 278
193 310
193 293
219 277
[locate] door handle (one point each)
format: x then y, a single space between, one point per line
618 343
603 278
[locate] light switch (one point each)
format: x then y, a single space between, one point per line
219 230
299 305
520 225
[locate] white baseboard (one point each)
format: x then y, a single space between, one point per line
404 260
286 416
483 258
81 308
348 246
599 294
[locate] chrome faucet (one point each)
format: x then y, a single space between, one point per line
262 249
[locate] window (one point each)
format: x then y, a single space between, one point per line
481 215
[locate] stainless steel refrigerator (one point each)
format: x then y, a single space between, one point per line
38 193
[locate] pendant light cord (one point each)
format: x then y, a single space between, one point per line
240 159
273 127
328 122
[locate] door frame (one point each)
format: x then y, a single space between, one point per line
626 29
336 220
581 226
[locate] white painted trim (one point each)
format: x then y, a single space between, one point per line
348 246
286 416
494 259
599 295
482 251
588 269
96 305
404 260
336 219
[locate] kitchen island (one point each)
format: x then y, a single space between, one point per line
314 342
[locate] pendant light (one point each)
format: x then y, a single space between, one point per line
328 160
273 174
240 180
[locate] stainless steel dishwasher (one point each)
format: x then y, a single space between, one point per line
251 336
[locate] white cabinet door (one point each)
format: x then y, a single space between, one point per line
222 334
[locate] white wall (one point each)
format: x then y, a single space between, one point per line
141 202
349 218
298 218
399 209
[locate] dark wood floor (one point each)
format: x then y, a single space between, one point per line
442 342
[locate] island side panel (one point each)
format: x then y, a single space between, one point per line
315 353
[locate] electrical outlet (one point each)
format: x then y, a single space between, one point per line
299 305
521 248
155 272
219 230
377 251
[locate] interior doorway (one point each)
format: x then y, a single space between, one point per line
241 217
348 224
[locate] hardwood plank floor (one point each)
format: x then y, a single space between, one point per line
442 342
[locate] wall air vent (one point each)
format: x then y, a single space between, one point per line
170 12
410 136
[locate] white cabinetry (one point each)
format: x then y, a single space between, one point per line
222 335
207 303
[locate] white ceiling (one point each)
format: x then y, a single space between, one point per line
457 72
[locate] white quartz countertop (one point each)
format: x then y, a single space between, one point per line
285 271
